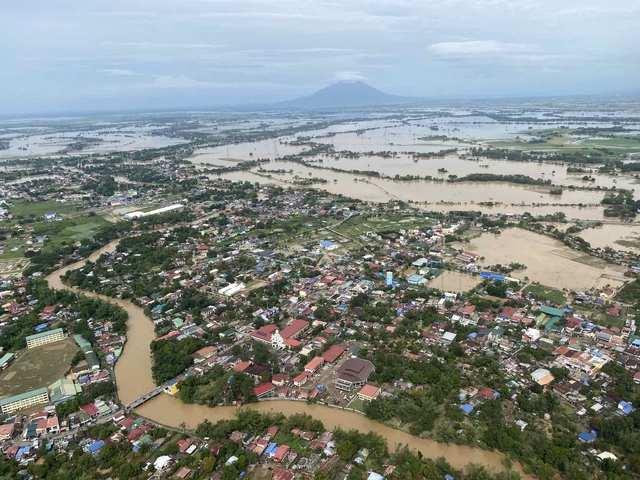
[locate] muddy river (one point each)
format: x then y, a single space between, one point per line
133 378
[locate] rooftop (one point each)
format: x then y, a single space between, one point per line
355 370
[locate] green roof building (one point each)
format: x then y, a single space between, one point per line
552 312
84 345
44 338
24 400
63 390
6 359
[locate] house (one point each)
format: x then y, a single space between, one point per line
281 453
625 407
280 379
542 376
333 353
204 353
368 393
264 389
531 335
314 365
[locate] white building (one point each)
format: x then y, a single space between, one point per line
44 338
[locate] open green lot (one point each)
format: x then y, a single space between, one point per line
544 293
359 225
38 209
37 367
75 225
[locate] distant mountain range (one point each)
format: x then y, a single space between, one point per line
347 94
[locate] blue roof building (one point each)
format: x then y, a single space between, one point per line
94 447
586 437
466 408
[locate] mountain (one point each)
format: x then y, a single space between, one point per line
347 94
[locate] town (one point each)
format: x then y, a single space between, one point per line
284 295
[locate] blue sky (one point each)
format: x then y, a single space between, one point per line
61 55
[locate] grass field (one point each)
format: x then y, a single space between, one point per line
75 225
544 293
25 208
37 367
78 232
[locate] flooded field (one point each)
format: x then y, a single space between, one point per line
548 261
107 141
618 237
457 282
433 196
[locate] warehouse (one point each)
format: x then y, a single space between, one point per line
138 214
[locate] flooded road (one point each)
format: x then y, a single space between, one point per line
133 377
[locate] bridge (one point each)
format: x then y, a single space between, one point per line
158 390
144 398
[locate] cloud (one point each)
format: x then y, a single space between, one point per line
474 48
195 46
492 51
118 72
182 82
346 75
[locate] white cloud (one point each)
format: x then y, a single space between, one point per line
118 72
195 46
346 75
182 82
474 48
492 51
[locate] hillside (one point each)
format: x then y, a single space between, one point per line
347 94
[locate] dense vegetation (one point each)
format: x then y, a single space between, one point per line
13 337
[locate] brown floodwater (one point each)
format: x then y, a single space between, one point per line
610 235
133 378
449 281
176 413
442 197
133 369
548 261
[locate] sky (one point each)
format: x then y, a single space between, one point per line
70 55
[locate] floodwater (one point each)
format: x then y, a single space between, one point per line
449 281
548 261
610 235
50 144
133 377
516 199
133 369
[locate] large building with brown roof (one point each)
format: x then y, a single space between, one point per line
354 372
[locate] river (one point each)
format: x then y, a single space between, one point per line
133 379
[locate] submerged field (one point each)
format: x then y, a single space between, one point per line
449 281
548 261
618 237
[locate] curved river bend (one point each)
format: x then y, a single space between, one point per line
133 379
